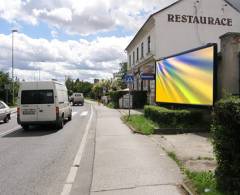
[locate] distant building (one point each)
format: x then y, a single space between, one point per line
183 25
96 81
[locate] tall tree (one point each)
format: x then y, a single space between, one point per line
78 86
6 87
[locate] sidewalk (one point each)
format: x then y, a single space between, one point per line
132 111
127 163
193 149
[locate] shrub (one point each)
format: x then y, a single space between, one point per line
226 140
173 118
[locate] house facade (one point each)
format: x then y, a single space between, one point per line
183 25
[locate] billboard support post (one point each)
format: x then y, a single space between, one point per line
129 109
129 80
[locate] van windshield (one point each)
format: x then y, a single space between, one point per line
37 97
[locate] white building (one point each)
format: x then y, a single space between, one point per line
183 25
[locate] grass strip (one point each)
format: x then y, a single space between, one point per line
203 182
140 124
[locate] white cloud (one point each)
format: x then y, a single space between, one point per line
80 59
82 17
56 15
55 59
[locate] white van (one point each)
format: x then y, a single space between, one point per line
43 102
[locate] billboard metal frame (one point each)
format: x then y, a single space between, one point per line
215 64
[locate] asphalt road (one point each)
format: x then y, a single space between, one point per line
38 161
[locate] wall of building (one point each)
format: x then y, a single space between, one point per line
170 37
142 38
229 66
175 37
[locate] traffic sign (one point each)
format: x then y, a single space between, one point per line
129 78
147 76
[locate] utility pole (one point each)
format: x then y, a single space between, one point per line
13 31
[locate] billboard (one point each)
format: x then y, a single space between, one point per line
187 78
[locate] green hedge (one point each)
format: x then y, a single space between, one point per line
173 118
226 140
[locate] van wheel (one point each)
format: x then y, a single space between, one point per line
60 123
25 127
70 117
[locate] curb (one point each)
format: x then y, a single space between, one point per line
187 186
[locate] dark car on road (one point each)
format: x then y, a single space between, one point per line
5 112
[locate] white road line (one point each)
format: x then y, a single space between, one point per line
84 113
10 131
67 189
73 171
72 174
74 113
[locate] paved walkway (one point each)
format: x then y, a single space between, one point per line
127 163
193 149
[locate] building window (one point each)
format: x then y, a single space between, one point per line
149 43
129 60
142 50
137 54
133 58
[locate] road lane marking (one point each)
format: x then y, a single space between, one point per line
72 174
67 189
76 163
74 113
84 113
10 131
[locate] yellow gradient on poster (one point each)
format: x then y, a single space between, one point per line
186 78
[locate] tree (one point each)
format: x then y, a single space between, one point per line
70 85
123 69
6 87
78 86
119 82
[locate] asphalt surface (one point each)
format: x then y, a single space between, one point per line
38 161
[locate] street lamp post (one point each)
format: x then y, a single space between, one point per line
13 31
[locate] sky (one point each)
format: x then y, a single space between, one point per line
69 38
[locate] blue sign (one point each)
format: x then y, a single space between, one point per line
129 78
147 76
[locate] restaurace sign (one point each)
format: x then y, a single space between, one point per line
176 18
